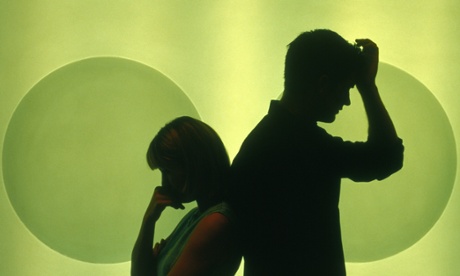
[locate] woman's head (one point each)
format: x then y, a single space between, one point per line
191 157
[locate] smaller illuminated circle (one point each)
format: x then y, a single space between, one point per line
74 161
381 219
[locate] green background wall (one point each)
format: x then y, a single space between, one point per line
221 61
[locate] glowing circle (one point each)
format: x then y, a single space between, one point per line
74 155
380 219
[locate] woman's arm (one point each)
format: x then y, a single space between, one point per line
143 256
214 243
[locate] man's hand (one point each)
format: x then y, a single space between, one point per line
370 61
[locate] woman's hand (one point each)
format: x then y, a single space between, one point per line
158 247
160 200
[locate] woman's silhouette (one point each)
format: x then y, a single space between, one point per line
194 166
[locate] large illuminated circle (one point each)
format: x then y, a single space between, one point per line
380 219
74 161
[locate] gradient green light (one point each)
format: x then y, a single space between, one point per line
228 58
74 155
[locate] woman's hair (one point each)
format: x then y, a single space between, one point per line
193 147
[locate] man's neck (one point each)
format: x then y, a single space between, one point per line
294 107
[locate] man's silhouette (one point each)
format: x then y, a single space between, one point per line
287 173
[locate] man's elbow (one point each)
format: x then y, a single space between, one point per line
392 163
385 163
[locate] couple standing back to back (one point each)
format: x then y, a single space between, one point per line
277 205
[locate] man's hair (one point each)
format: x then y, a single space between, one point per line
316 53
196 149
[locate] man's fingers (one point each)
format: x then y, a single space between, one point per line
364 41
366 44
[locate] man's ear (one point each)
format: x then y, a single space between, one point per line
323 84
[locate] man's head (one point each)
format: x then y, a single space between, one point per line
319 71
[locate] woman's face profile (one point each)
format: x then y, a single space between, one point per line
174 184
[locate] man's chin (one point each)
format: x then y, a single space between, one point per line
328 120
